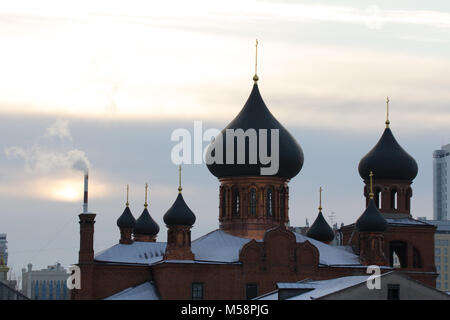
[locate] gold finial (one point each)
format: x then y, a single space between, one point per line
146 191
371 191
128 190
320 198
179 179
255 77
387 112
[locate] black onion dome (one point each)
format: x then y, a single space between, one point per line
388 160
126 220
371 219
256 115
321 230
146 225
179 214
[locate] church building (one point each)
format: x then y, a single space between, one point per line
253 249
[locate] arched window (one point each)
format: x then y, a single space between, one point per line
224 202
417 260
282 200
394 195
253 201
236 202
269 202
398 250
408 198
377 197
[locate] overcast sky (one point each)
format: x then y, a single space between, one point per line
105 83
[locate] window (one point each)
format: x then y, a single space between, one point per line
269 202
236 202
393 292
224 202
251 291
253 201
282 199
438 250
197 291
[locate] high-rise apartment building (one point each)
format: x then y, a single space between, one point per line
441 197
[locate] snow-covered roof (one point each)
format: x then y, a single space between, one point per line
136 253
330 255
406 221
216 246
317 289
144 291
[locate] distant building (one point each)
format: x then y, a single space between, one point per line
442 252
441 197
393 286
9 293
45 284
3 257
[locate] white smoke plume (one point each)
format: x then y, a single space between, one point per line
59 129
41 159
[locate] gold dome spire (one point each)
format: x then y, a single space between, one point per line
255 77
387 112
146 191
320 198
128 190
179 179
371 191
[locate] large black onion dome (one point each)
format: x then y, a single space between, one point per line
179 213
321 230
371 219
146 225
256 115
388 160
126 220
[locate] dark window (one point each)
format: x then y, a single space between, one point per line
393 292
197 291
253 201
236 202
224 202
282 197
251 291
269 202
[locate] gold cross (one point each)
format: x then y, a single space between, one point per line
320 198
179 179
146 188
128 189
387 112
371 191
255 77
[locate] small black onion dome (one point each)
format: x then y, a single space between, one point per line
388 160
126 220
320 230
256 115
371 219
179 213
146 225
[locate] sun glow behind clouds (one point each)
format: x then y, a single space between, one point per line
179 59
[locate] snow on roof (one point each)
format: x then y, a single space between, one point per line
406 221
318 288
216 246
138 252
144 291
330 255
325 287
